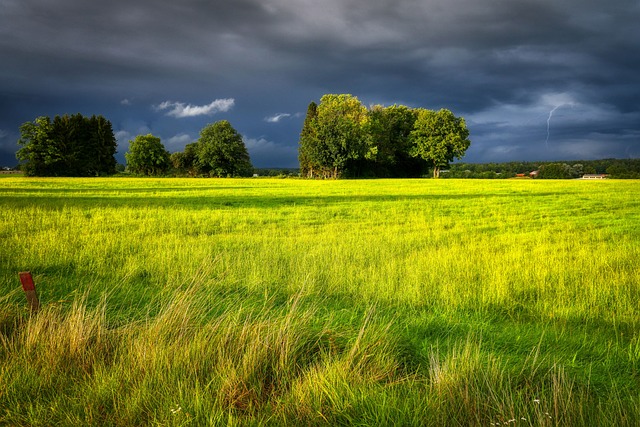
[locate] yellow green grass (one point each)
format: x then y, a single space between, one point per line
271 302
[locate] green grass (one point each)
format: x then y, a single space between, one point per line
271 302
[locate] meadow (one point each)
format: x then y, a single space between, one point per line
298 302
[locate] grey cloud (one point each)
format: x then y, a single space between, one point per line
266 153
492 61
177 142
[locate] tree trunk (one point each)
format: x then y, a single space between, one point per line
436 172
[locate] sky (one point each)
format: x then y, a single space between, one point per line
535 80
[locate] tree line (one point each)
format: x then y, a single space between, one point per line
615 168
341 137
69 145
219 152
74 145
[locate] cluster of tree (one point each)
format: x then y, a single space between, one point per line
622 168
562 171
219 152
615 168
341 137
69 145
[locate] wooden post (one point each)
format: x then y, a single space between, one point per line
30 290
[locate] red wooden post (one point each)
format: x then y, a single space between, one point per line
30 290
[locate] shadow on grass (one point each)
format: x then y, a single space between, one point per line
44 200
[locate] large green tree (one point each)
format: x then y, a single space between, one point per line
221 151
103 145
439 137
69 145
340 130
389 130
147 156
39 154
308 144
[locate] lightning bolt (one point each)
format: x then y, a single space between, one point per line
546 142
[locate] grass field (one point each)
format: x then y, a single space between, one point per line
293 302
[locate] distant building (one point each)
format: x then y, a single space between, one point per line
9 171
595 176
534 174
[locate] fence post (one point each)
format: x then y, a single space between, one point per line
30 290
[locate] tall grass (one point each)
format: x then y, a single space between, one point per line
270 302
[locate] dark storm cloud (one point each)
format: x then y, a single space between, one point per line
502 64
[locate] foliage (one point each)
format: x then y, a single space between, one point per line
439 137
390 129
625 169
339 133
71 145
341 137
301 302
185 162
616 168
308 155
147 156
221 152
560 171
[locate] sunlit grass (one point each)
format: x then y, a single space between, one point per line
407 302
